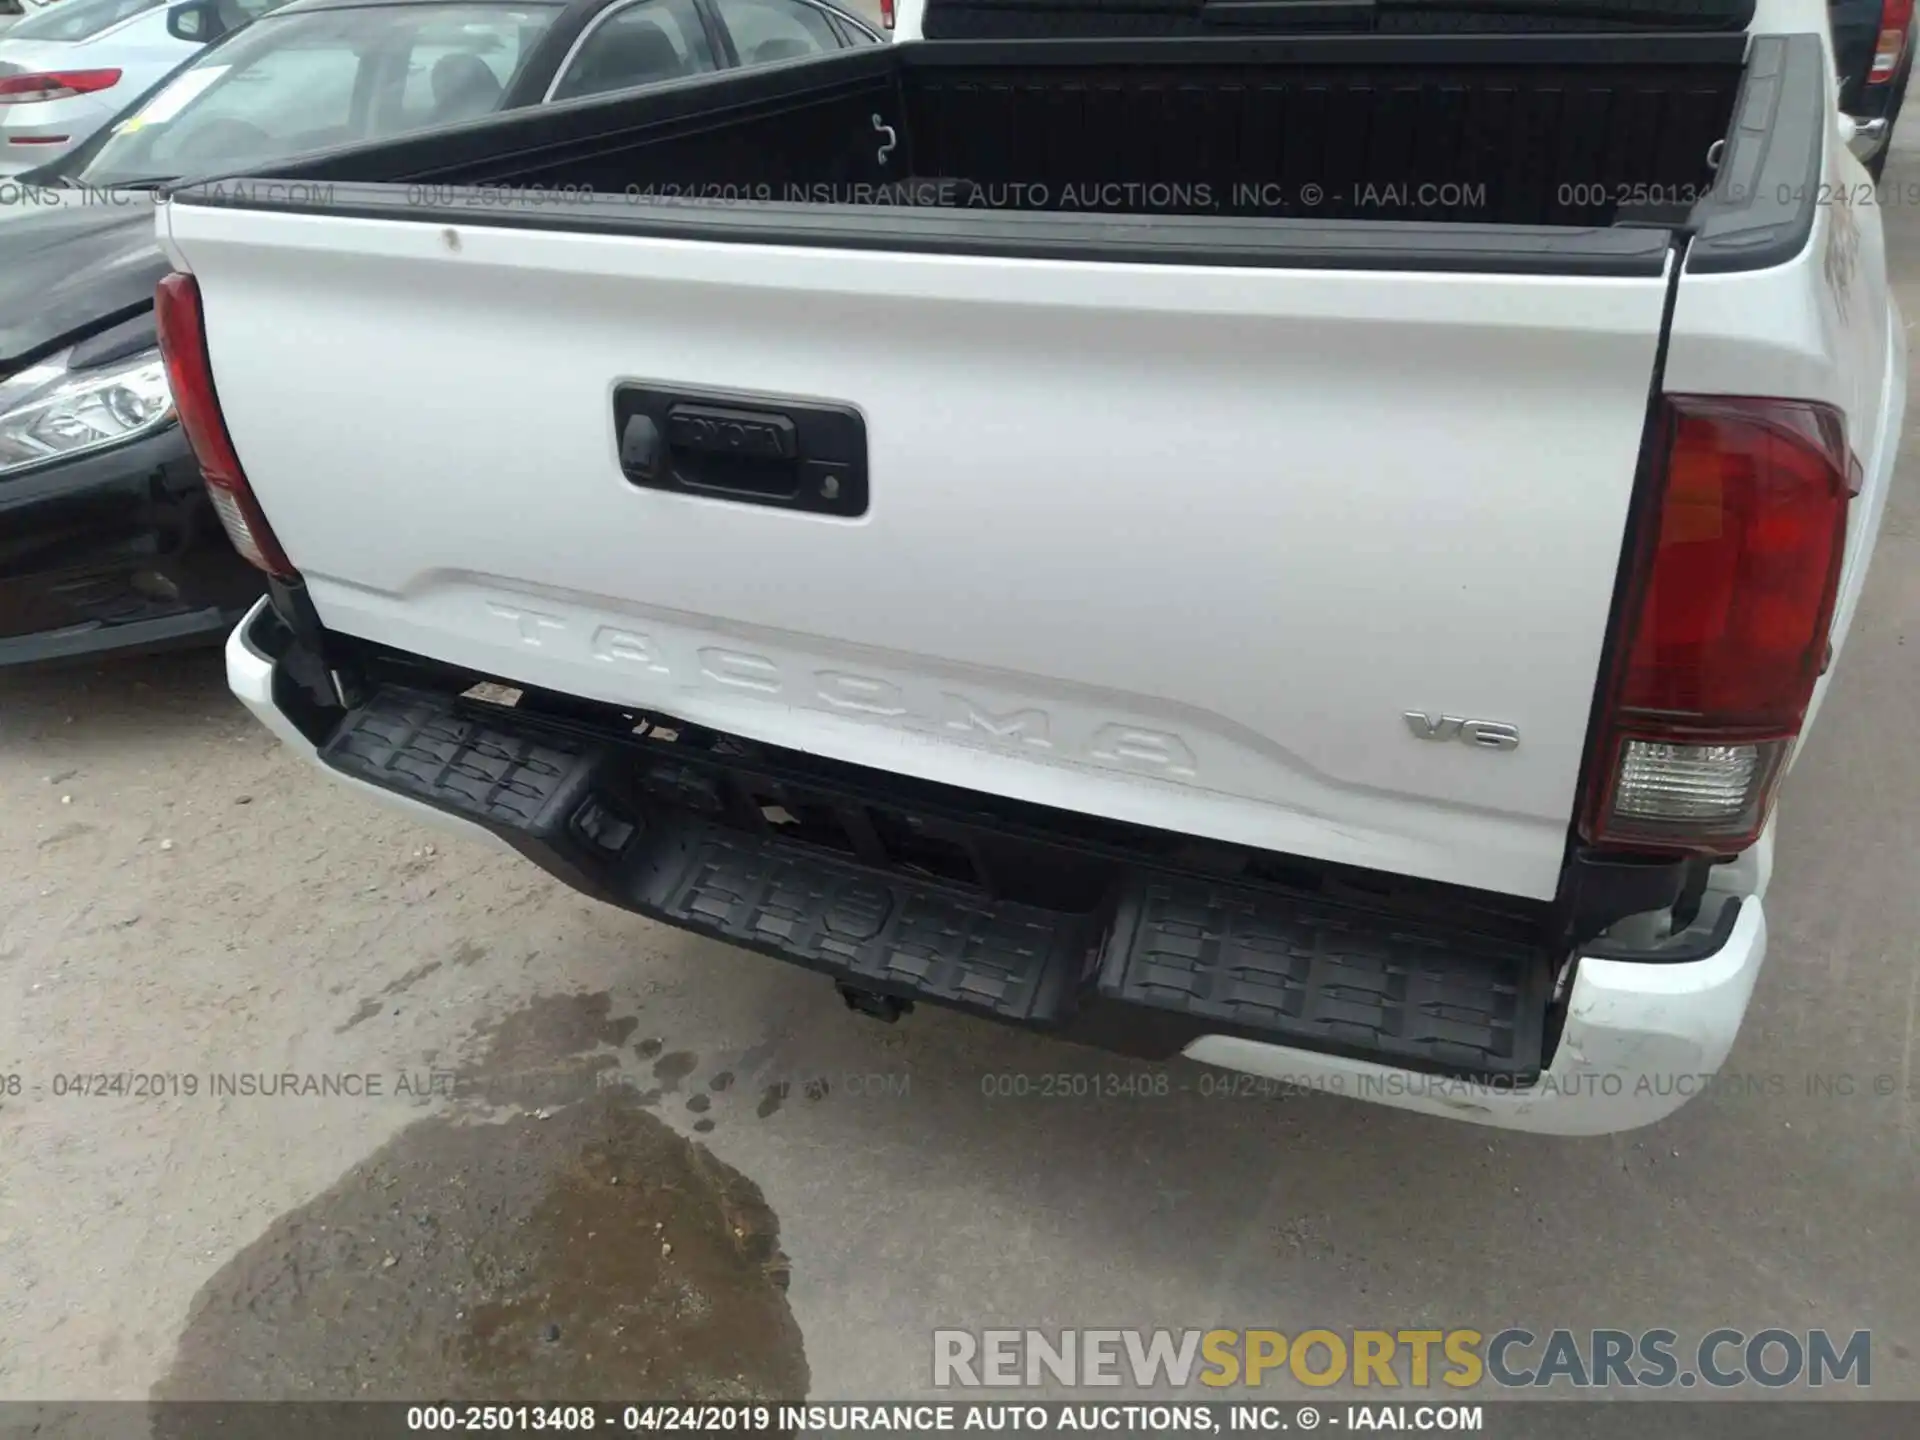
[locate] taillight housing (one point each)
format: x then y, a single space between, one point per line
183 346
1896 18
886 14
35 87
1725 624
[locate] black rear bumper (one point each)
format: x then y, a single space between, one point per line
115 552
900 901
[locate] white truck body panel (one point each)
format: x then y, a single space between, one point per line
1075 585
1825 326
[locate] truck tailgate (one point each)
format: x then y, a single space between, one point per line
1181 546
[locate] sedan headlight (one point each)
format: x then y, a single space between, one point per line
51 412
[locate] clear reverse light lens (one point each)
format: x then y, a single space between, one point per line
1703 788
234 521
49 412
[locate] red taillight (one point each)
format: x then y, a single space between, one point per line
1726 622
54 85
183 346
1896 17
886 14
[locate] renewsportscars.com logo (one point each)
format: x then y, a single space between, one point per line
1512 1358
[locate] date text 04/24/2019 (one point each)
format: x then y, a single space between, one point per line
1886 194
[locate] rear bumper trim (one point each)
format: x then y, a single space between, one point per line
1170 966
1639 1042
1141 962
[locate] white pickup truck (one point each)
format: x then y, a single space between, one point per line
1302 535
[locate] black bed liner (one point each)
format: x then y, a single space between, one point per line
1580 154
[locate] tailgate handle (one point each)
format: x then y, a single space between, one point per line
750 434
707 447
733 452
805 456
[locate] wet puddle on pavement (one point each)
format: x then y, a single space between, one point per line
588 1251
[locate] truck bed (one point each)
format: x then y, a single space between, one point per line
1186 141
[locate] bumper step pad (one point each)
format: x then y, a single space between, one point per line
416 744
1172 955
873 930
1326 976
544 793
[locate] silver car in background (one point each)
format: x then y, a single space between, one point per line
69 67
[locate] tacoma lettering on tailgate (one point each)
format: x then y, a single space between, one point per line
926 706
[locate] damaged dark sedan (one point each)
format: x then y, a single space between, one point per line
107 539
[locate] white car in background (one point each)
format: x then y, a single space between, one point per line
69 67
